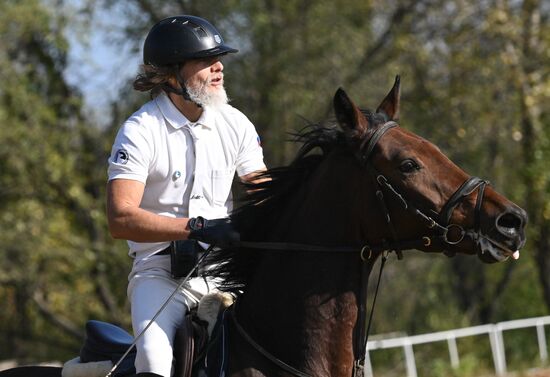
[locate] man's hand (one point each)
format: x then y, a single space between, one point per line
219 232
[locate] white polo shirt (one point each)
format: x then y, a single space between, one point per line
187 168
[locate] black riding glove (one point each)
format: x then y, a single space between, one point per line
219 232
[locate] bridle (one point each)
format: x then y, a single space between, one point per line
439 232
439 223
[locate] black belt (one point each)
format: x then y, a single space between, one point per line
165 251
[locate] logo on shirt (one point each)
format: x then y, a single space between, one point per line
122 156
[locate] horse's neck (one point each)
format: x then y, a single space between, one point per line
306 318
303 306
332 208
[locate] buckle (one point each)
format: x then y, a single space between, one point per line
196 223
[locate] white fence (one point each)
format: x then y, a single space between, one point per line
494 331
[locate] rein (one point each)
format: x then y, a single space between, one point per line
439 228
281 364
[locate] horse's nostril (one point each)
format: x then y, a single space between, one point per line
509 222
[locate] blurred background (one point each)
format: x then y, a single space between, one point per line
475 77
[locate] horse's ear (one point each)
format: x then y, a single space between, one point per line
390 104
349 116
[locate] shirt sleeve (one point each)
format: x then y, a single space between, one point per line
251 157
131 154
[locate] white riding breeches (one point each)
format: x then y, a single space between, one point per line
150 285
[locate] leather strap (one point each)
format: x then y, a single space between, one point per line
281 364
373 140
164 251
464 190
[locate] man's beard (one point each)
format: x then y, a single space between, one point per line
203 95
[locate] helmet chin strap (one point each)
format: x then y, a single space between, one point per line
183 89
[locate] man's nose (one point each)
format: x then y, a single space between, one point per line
217 66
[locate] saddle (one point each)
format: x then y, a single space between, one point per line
206 324
188 350
105 344
105 341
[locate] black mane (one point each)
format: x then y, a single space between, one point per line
264 204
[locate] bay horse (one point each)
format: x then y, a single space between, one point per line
312 231
316 227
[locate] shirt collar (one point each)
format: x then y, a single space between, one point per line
207 118
176 119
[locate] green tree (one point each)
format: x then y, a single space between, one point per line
56 262
475 78
524 29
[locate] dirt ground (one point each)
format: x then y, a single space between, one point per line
537 373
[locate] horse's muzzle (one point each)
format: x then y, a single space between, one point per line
508 239
511 226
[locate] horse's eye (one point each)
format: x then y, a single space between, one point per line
408 166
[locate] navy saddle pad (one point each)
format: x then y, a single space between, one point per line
105 341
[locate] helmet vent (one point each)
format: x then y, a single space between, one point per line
197 29
201 32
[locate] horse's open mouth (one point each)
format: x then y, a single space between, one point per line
496 249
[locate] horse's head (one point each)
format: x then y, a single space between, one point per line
430 202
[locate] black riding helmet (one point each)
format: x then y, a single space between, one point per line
176 39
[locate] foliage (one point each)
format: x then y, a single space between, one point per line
475 79
54 265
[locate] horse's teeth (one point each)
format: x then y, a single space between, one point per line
516 254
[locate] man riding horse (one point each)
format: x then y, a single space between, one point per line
171 168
